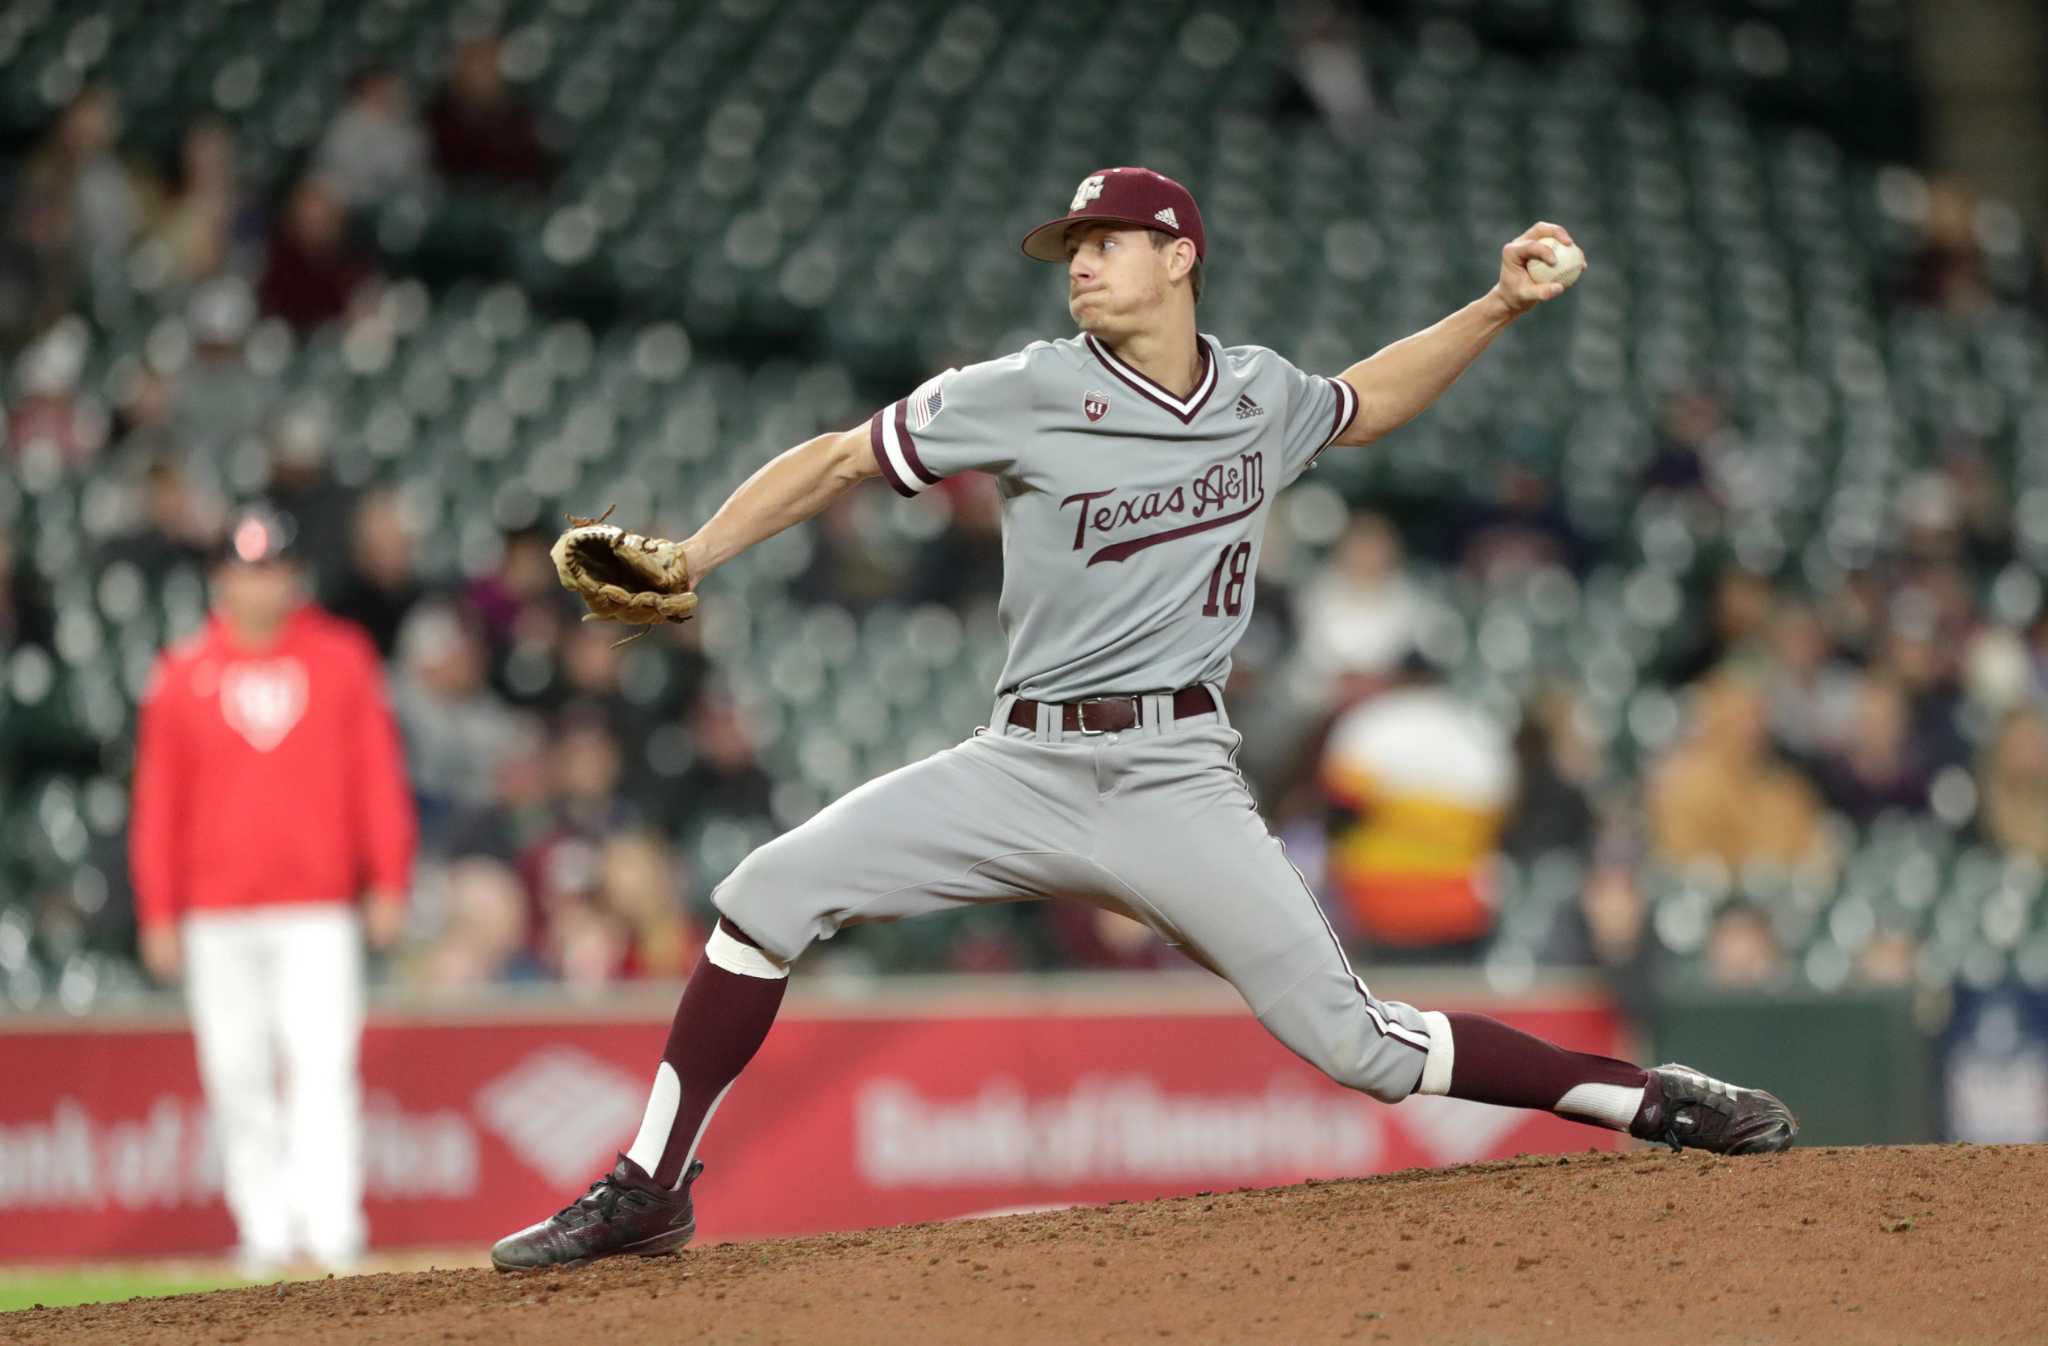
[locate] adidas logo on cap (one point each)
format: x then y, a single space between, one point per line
1166 217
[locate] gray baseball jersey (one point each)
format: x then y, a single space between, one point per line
1140 514
1131 529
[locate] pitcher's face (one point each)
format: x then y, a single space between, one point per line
1116 279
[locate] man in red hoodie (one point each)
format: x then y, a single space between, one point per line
272 830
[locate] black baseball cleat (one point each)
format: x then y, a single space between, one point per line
625 1213
1693 1111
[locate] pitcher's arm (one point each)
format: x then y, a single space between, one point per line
793 486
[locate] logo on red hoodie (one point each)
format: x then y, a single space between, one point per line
261 701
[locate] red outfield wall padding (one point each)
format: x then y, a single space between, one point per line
473 1129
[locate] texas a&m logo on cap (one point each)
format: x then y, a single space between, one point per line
1134 197
1095 404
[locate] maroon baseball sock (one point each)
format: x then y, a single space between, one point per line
721 1022
1493 1063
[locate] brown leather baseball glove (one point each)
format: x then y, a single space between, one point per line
621 576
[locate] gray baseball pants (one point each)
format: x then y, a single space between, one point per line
1154 822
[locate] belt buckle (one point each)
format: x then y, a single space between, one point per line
1081 712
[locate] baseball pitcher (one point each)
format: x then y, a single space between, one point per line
1138 462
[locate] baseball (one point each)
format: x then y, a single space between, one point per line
1570 263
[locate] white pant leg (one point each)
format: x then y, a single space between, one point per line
319 1014
228 970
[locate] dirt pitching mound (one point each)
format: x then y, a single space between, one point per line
1827 1245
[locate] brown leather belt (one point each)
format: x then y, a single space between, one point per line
1110 714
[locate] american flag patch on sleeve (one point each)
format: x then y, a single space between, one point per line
924 404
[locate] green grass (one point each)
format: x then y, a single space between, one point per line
55 1289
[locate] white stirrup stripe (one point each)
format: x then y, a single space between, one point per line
658 1120
1614 1105
702 1127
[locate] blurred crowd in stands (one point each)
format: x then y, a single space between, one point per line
552 798
88 221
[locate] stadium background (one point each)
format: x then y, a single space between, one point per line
1758 513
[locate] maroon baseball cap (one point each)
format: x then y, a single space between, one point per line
1134 196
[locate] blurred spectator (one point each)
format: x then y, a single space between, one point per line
374 148
1997 672
1853 612
81 211
593 659
1614 923
271 835
582 943
455 726
1739 616
1419 783
49 418
1683 462
301 482
521 599
990 940
219 400
641 883
482 938
1093 937
1521 529
586 764
1812 694
853 563
1720 794
725 779
520 811
530 620
176 528
143 420
1946 271
206 216
1873 771
1743 951
580 934
1983 505
1328 51
379 588
31 296
1360 614
1929 518
2037 653
1888 958
1555 762
314 273
963 564
26 617
1925 657
484 134
2012 782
